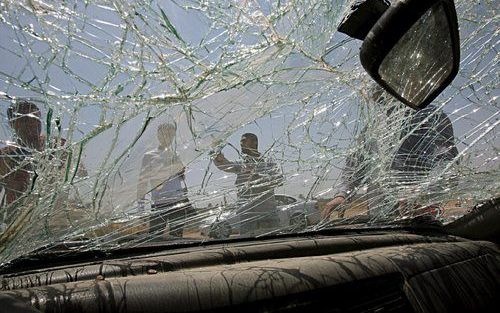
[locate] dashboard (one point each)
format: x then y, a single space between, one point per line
368 271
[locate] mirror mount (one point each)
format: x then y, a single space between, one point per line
361 17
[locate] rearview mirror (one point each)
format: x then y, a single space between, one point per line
413 50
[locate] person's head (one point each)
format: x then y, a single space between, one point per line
166 134
24 118
249 144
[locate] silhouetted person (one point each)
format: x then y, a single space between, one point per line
162 173
427 143
16 166
32 170
256 179
20 165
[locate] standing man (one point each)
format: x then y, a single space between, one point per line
20 166
427 142
162 174
16 166
256 179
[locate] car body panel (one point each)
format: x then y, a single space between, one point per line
287 208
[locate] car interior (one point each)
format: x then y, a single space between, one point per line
415 263
387 269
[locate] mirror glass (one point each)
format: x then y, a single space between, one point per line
422 59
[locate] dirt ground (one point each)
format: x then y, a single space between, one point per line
451 210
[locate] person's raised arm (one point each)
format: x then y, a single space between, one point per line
225 165
348 183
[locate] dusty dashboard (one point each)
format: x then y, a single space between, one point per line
364 272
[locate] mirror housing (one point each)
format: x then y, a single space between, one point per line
361 17
413 50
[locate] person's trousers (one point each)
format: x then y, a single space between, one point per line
258 216
171 215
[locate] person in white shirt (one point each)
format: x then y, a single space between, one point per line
162 174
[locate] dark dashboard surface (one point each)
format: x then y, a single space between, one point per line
369 272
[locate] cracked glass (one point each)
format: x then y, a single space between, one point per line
126 123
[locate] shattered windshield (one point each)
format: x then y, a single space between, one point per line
132 122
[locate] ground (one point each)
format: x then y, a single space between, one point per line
452 209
